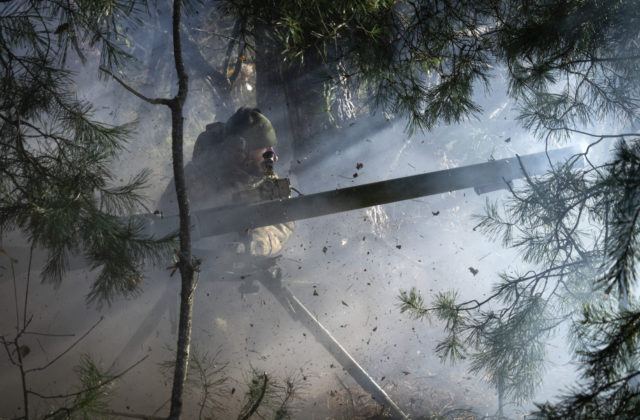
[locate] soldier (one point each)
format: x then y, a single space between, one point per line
228 159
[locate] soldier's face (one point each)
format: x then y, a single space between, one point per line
255 159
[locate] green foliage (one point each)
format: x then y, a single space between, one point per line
606 332
570 64
423 59
420 59
412 303
91 400
96 389
55 183
555 222
573 62
608 353
267 396
207 382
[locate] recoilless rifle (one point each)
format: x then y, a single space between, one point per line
270 204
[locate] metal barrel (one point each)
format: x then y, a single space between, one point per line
482 176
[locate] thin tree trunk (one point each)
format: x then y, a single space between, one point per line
185 260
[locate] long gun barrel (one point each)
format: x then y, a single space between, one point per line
482 176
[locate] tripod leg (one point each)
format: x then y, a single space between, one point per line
300 313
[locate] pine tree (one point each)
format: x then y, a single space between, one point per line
55 182
571 65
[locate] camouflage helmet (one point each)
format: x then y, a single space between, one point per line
253 126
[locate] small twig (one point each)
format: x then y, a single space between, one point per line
70 410
47 334
6 347
160 408
601 136
130 415
23 374
26 293
215 33
15 298
67 350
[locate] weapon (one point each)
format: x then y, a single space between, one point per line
276 207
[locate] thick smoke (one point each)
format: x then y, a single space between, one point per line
348 269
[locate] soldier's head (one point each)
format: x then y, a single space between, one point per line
257 135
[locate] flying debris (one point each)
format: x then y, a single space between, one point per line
359 165
435 213
507 140
474 271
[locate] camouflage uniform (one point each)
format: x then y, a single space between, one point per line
218 171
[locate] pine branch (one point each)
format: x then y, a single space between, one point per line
256 395
99 386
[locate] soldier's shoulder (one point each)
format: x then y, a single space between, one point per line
208 141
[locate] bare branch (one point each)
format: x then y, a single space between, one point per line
154 101
130 415
47 334
67 350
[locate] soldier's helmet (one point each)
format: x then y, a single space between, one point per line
252 126
248 129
